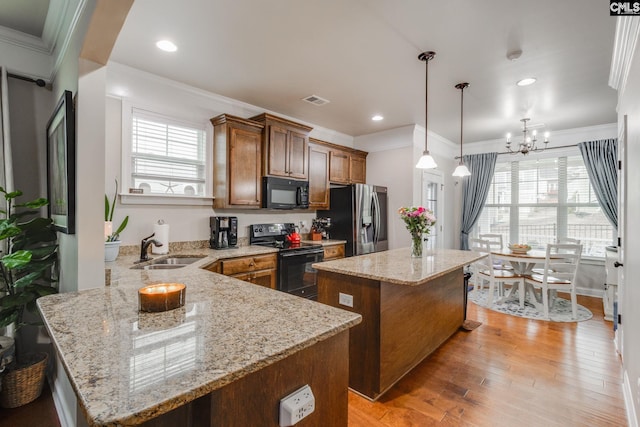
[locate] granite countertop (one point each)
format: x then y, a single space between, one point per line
128 367
397 266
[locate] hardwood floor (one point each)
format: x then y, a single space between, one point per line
507 372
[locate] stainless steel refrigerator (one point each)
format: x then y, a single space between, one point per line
358 215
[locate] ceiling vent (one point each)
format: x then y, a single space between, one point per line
315 100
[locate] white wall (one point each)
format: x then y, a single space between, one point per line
187 223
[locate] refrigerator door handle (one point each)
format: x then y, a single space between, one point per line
376 215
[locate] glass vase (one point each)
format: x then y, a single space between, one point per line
416 245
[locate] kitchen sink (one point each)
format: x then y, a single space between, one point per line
168 263
158 266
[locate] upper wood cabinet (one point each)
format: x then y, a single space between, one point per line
237 159
346 165
318 175
286 147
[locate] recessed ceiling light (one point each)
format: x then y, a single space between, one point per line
526 81
377 118
166 45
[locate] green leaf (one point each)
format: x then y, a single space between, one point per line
18 300
8 230
8 316
34 204
123 224
35 224
12 195
41 290
113 204
16 259
106 208
43 252
27 280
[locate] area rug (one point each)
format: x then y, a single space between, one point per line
559 312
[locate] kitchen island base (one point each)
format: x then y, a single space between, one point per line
254 400
401 325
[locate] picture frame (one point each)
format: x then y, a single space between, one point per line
61 167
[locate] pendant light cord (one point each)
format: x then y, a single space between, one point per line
426 56
462 87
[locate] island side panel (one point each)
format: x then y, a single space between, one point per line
416 320
364 338
255 399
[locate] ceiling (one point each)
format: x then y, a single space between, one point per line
362 55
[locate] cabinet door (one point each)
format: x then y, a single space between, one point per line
333 252
318 177
298 155
245 161
278 157
358 169
266 278
339 167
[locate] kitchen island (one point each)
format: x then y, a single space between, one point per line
409 306
225 358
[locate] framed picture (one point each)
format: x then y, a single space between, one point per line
61 167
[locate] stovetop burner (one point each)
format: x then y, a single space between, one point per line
274 236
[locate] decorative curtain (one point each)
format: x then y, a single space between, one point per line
6 168
475 189
601 159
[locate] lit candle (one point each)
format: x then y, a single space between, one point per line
108 229
161 297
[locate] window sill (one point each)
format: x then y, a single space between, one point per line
153 199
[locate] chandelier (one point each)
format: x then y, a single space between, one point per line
528 143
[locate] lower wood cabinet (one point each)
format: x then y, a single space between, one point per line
258 269
333 252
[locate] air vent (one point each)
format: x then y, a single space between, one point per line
315 100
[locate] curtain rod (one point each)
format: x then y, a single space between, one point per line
516 152
39 82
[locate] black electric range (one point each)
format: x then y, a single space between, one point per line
295 274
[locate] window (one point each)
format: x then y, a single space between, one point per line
167 157
538 201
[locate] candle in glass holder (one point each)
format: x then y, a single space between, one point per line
161 297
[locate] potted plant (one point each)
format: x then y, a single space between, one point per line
112 242
28 270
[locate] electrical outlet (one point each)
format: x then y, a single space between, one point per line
345 299
296 406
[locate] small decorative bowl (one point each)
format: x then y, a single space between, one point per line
519 248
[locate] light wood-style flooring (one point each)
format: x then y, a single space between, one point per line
508 372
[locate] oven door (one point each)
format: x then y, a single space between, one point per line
295 274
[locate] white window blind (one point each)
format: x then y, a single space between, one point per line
537 201
168 158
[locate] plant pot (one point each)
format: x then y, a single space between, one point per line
24 384
111 250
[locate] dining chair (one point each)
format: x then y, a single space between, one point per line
484 271
497 244
559 274
560 241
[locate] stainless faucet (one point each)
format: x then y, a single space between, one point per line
144 245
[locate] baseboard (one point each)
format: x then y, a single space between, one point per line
628 401
589 292
63 396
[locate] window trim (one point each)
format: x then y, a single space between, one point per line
125 158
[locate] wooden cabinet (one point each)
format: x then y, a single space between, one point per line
286 147
258 269
333 252
237 159
346 165
318 176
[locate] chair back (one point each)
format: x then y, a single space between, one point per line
495 240
568 240
480 245
561 261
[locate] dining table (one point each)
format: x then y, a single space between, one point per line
523 264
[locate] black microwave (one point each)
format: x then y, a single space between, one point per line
284 193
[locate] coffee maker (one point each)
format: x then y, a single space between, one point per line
224 232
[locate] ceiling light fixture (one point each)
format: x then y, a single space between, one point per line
528 143
461 170
526 81
166 45
377 118
426 161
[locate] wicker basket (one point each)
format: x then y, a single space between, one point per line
23 385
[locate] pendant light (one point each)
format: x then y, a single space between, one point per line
461 170
426 161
